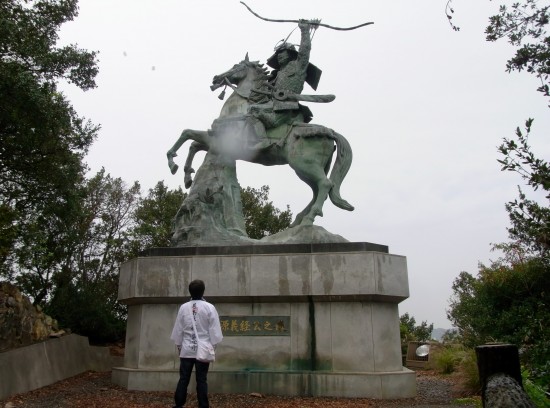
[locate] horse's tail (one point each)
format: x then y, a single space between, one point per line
339 170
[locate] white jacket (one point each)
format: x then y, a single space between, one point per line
207 322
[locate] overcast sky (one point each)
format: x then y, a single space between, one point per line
423 107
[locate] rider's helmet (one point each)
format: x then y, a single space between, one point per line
284 46
313 73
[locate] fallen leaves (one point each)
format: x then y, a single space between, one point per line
95 390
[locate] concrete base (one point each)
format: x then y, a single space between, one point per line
336 330
391 385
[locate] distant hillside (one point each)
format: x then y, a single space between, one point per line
438 333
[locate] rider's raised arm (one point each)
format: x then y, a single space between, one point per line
306 27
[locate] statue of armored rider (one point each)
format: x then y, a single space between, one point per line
291 69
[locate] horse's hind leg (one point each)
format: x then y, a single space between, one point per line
188 170
305 211
313 175
310 157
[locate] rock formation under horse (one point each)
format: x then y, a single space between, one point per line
262 122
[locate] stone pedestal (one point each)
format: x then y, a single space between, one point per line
303 319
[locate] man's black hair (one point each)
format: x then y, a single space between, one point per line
196 289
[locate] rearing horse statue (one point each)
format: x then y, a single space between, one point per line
307 148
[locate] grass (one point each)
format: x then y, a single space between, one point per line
536 394
468 401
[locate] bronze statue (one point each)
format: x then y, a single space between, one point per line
261 122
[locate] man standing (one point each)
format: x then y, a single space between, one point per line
208 329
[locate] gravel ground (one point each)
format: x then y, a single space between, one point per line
92 389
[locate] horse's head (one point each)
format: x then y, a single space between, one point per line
236 74
233 75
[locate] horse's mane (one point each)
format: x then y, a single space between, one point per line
260 82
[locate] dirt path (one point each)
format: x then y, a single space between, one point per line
92 389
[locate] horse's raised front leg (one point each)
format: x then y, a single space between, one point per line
193 149
200 136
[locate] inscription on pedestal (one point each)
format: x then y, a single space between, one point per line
255 325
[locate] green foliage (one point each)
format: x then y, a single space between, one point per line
518 284
530 221
89 286
81 241
476 402
446 359
411 332
8 234
507 303
451 336
153 218
68 255
540 375
457 359
523 24
449 11
261 217
508 300
43 139
536 393
469 371
504 303
90 309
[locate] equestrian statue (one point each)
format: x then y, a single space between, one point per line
263 121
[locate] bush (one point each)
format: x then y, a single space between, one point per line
445 359
469 372
462 363
536 393
90 309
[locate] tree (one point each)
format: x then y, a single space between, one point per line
466 311
530 221
43 139
155 214
411 332
154 218
507 303
507 300
523 24
80 241
451 336
84 286
261 217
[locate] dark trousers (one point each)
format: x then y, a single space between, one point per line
201 370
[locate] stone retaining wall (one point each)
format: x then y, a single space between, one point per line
21 322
